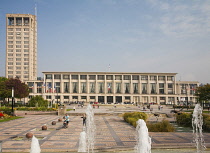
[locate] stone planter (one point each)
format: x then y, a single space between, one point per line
29 135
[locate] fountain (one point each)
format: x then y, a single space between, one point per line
142 137
90 128
82 142
35 148
197 123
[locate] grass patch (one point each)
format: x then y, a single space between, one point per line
10 118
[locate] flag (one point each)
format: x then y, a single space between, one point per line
43 85
109 87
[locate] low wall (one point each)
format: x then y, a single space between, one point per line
22 113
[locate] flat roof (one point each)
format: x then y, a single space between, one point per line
145 73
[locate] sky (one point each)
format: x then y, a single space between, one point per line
145 36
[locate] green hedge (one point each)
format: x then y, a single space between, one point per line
184 119
163 126
8 110
131 118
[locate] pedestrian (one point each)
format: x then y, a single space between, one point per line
74 108
66 121
84 119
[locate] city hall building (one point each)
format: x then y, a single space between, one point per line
113 87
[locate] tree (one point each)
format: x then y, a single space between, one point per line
203 93
4 91
38 101
21 90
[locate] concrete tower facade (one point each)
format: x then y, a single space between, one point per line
21 46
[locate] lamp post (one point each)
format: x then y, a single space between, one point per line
12 100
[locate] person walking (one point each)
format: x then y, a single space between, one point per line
84 119
66 120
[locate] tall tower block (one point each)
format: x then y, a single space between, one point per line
21 46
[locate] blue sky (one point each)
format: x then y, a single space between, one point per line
130 35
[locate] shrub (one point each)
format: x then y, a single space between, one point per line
163 126
133 117
184 119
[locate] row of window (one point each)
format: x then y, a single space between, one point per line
126 88
110 77
18 33
18 42
18 76
18 63
17 72
11 54
18 29
18 46
17 68
18 20
18 59
18 37
17 50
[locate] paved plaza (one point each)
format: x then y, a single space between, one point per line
112 134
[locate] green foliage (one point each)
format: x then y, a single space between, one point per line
133 117
38 101
203 93
35 109
206 122
184 119
163 126
6 110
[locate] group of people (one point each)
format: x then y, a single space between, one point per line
66 120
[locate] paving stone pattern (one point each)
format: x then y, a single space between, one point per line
111 133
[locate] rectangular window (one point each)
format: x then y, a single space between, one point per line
26 22
10 46
26 59
74 77
10 67
118 87
18 37
100 77
26 42
26 29
10 59
101 87
170 78
161 88
153 88
109 77
75 87
10 37
26 46
153 78
26 33
18 63
66 87
18 33
127 88
18 59
10 72
18 29
109 87
127 77
161 78
57 76
10 54
92 97
135 77
10 33
26 38
83 87
57 87
65 97
48 76
26 50
26 55
48 97
10 50
92 87
135 88
118 77
10 63
10 29
10 42
83 77
144 77
65 76
18 72
18 46
10 20
18 68
18 50
18 55
92 77
18 21
144 88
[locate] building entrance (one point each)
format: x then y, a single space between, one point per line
109 99
101 99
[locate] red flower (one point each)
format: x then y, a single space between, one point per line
1 115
